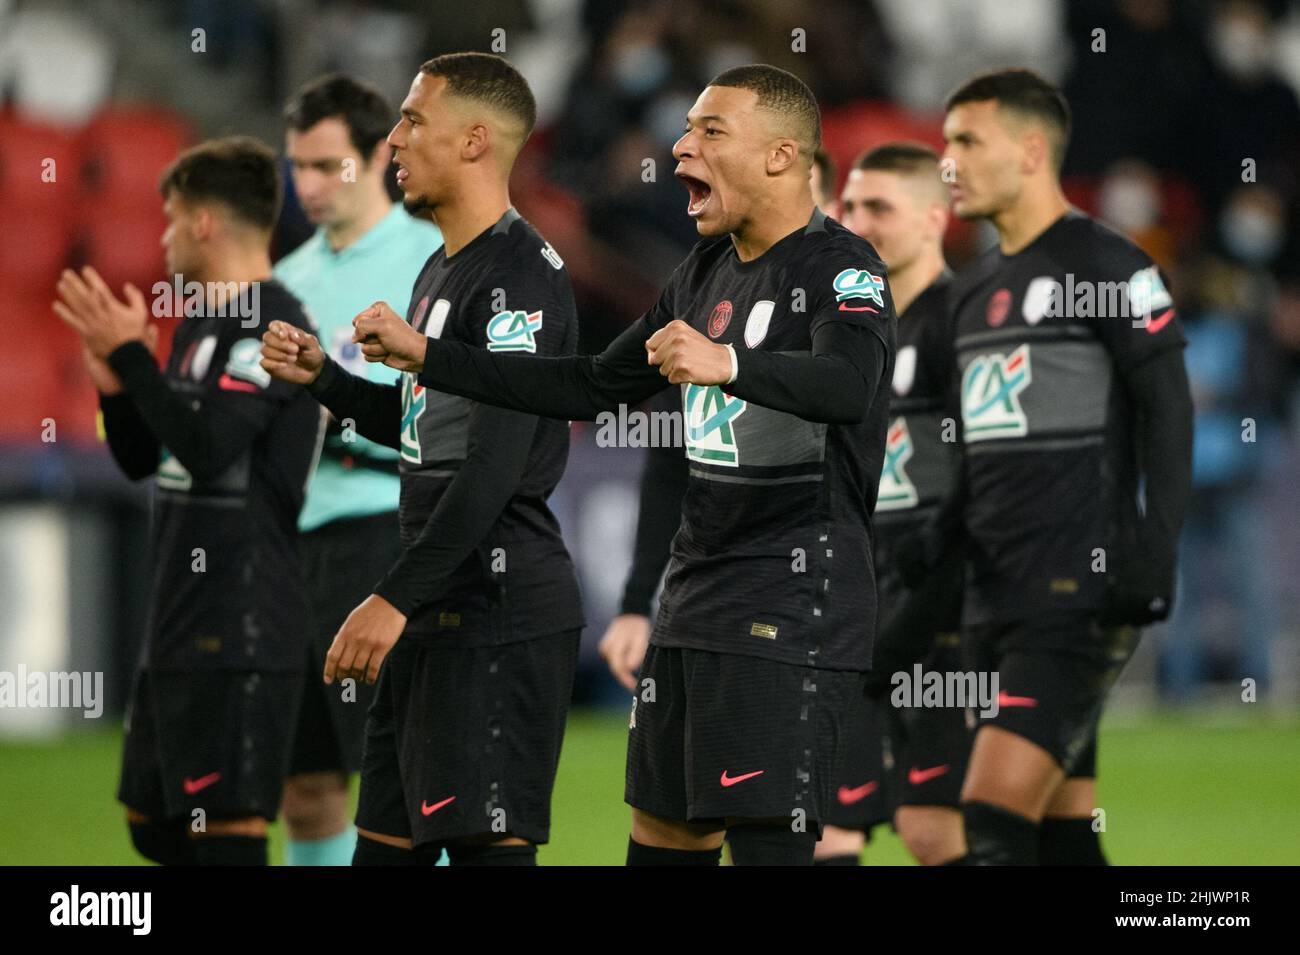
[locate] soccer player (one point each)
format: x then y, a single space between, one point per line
463 738
908 763
780 330
663 483
211 715
1077 455
366 247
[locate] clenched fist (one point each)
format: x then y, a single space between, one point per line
685 356
291 354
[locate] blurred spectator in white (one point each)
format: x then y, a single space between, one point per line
53 59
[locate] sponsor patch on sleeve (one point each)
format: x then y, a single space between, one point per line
514 331
243 367
858 284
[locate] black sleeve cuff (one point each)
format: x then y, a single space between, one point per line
132 363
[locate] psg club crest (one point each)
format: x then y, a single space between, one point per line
720 318
999 305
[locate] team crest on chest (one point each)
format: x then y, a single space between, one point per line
720 319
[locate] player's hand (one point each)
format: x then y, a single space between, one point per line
102 376
385 337
684 355
364 640
291 354
103 321
623 646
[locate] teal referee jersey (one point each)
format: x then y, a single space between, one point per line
356 477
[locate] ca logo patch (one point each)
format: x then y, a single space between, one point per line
244 363
859 283
709 415
413 403
990 396
514 331
897 492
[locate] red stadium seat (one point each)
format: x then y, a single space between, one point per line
852 129
123 242
24 149
128 147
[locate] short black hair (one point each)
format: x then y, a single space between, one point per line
488 79
1023 92
780 92
903 157
363 109
238 171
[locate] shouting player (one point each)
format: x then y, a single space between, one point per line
211 716
463 738
780 331
1073 397
366 247
911 762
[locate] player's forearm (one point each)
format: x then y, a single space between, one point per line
663 485
1163 406
495 463
133 445
205 443
571 388
375 409
833 385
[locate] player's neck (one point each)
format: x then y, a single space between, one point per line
470 214
344 234
235 264
906 284
1022 223
769 225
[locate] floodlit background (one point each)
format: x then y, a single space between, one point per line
1187 137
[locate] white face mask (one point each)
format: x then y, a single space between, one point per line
1252 236
1240 48
1129 203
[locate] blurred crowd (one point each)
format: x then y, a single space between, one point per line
1186 137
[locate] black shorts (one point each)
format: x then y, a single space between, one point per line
216 740
865 795
717 736
465 741
341 563
1053 677
931 745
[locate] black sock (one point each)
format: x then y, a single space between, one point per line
765 844
997 836
492 855
960 860
374 852
638 854
1069 841
166 843
846 859
230 850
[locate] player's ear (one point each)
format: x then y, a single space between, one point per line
1035 150
782 156
381 155
477 140
938 215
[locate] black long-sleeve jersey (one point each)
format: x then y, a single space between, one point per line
232 451
483 560
1076 423
773 555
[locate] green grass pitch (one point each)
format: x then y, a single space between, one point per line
1176 790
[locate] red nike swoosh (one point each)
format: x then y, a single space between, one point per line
1006 699
845 307
234 384
430 810
1160 321
192 786
848 797
732 780
916 776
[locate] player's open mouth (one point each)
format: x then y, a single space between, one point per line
701 192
